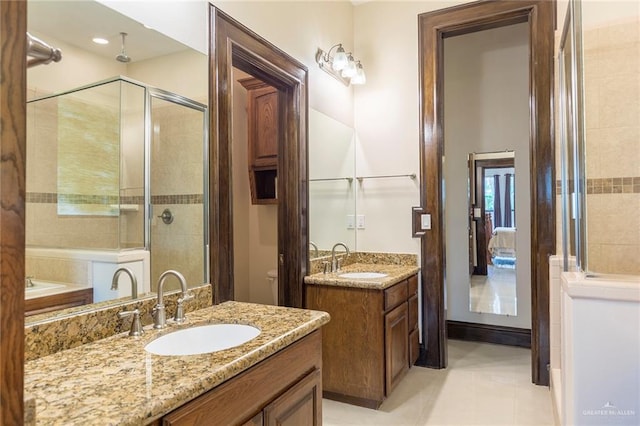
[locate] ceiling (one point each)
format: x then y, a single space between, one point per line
77 22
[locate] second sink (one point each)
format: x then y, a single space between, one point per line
362 275
202 339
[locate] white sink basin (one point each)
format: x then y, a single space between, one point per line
362 275
202 339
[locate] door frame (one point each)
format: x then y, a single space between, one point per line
434 27
231 44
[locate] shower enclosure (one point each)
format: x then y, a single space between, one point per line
116 166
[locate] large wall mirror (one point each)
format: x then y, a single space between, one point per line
332 186
492 233
116 155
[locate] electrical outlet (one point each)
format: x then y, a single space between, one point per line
351 221
360 221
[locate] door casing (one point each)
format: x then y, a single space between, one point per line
234 45
434 27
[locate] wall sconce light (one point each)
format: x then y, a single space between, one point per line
342 66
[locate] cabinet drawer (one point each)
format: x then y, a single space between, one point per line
413 285
413 312
393 296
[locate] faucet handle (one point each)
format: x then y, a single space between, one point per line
326 267
179 316
159 316
136 326
338 264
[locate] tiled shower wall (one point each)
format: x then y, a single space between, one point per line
612 125
177 184
45 227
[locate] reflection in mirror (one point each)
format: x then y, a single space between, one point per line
105 151
492 233
570 85
331 184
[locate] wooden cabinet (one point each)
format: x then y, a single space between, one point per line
414 332
396 331
70 299
367 345
263 132
284 389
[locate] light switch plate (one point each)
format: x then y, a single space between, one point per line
360 221
425 221
351 221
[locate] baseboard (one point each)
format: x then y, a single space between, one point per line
501 335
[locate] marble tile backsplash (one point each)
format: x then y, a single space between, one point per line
402 259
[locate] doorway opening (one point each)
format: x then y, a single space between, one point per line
233 45
434 27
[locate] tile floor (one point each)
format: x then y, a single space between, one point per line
495 292
484 384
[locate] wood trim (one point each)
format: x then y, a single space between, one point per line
13 92
433 28
56 302
510 336
234 45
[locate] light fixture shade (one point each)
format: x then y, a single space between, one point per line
339 60
360 77
350 70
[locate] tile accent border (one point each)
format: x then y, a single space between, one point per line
52 198
617 185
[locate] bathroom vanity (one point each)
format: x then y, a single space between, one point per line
275 378
373 336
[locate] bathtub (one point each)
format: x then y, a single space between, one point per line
89 268
598 381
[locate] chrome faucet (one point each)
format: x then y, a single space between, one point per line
315 248
335 263
132 278
159 311
27 281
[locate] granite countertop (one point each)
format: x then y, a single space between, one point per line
395 274
115 381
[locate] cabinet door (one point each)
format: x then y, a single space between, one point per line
263 125
396 325
300 405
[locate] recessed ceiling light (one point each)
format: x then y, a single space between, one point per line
100 40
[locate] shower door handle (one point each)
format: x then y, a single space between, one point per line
166 216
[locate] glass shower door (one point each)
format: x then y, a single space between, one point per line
177 191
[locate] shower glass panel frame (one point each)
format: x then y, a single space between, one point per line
169 97
572 120
129 200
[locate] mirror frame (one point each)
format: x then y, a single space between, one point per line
13 135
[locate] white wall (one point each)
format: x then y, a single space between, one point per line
387 121
299 29
184 20
486 110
